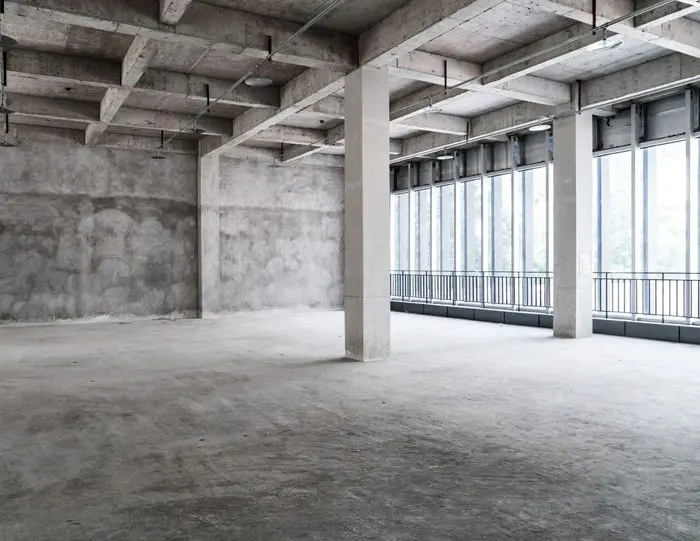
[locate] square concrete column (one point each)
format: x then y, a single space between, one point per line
573 226
367 221
208 227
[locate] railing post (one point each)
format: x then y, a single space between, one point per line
663 298
605 285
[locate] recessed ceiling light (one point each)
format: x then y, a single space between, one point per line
605 43
258 82
540 127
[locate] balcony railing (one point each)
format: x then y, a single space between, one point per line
653 296
646 296
514 290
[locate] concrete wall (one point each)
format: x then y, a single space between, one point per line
92 231
281 232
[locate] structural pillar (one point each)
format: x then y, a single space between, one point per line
208 226
573 226
367 222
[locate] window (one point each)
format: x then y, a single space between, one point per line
400 258
445 223
533 217
469 199
498 222
614 212
422 230
666 197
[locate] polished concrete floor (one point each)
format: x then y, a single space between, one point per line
251 427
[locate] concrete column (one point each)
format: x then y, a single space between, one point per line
208 227
573 226
367 332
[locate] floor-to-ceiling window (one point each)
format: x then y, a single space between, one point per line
445 227
422 228
614 212
400 224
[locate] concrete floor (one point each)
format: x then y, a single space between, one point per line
250 427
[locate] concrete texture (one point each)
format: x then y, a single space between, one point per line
250 427
94 231
367 222
573 226
281 234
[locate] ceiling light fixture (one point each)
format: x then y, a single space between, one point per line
258 81
540 127
5 143
609 42
445 156
158 155
196 130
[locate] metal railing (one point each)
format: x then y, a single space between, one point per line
661 296
515 290
647 295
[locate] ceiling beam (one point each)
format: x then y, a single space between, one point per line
486 126
680 34
298 94
291 135
205 26
441 70
32 107
135 63
84 72
171 11
292 153
672 71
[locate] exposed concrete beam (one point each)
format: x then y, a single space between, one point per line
31 107
74 72
486 126
436 123
291 135
413 25
298 94
430 68
228 31
672 71
677 35
171 11
135 63
291 153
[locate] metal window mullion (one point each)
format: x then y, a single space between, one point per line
688 207
634 147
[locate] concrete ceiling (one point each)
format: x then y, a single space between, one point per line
125 64
352 17
498 31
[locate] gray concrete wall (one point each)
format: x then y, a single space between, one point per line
94 231
281 233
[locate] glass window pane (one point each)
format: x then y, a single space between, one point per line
666 192
446 227
472 226
501 216
421 216
616 212
535 215
399 232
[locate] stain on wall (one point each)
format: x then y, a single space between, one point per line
88 231
281 234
